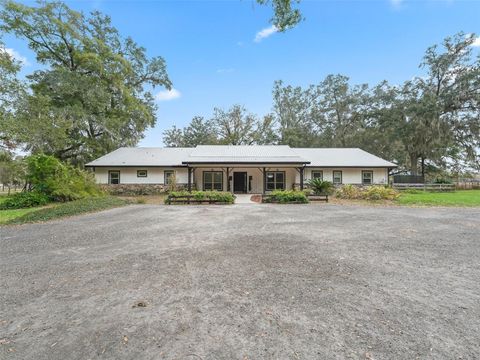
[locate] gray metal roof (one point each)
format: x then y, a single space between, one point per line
231 154
280 154
341 157
143 156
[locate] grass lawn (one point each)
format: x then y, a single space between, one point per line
44 213
457 198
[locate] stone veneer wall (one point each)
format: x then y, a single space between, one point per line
140 189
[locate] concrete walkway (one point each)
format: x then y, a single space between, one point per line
244 199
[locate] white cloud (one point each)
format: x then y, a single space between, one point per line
167 95
264 33
17 56
225 71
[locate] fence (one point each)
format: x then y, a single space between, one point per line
468 185
425 187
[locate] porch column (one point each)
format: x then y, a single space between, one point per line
301 178
190 179
228 180
264 180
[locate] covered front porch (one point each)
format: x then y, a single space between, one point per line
245 178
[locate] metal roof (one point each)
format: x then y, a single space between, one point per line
241 154
143 156
229 154
341 157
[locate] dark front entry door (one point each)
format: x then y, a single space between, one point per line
240 182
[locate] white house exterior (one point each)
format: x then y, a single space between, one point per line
240 169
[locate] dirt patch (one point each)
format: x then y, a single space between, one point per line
243 282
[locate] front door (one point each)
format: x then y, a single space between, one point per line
239 182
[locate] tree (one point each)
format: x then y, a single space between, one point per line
200 131
285 16
235 126
11 89
293 110
93 87
437 116
340 111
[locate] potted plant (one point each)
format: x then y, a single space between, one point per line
320 187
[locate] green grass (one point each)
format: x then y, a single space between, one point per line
45 213
457 198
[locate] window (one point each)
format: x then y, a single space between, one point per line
142 173
367 177
317 174
213 180
275 180
114 177
168 176
337 177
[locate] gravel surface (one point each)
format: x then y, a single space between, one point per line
243 282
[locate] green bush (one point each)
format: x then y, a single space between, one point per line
59 181
376 192
287 196
219 196
319 186
70 208
24 200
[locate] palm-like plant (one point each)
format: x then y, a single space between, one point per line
320 187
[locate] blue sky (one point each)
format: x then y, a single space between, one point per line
214 60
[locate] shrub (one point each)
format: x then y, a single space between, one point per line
442 180
70 208
376 192
219 196
287 196
24 200
380 193
349 191
321 187
59 181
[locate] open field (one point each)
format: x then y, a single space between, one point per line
243 282
457 198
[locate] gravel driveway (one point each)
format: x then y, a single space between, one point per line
243 282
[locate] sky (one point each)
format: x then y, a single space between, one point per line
221 53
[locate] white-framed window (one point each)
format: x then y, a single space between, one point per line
367 177
317 174
114 177
168 176
142 173
213 180
337 177
275 180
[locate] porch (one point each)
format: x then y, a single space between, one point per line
245 179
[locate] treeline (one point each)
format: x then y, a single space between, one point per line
429 122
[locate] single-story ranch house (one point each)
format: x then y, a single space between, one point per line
239 168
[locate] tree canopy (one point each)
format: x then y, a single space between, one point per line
433 120
92 94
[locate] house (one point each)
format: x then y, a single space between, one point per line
239 168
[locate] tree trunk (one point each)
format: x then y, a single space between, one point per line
413 164
423 167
